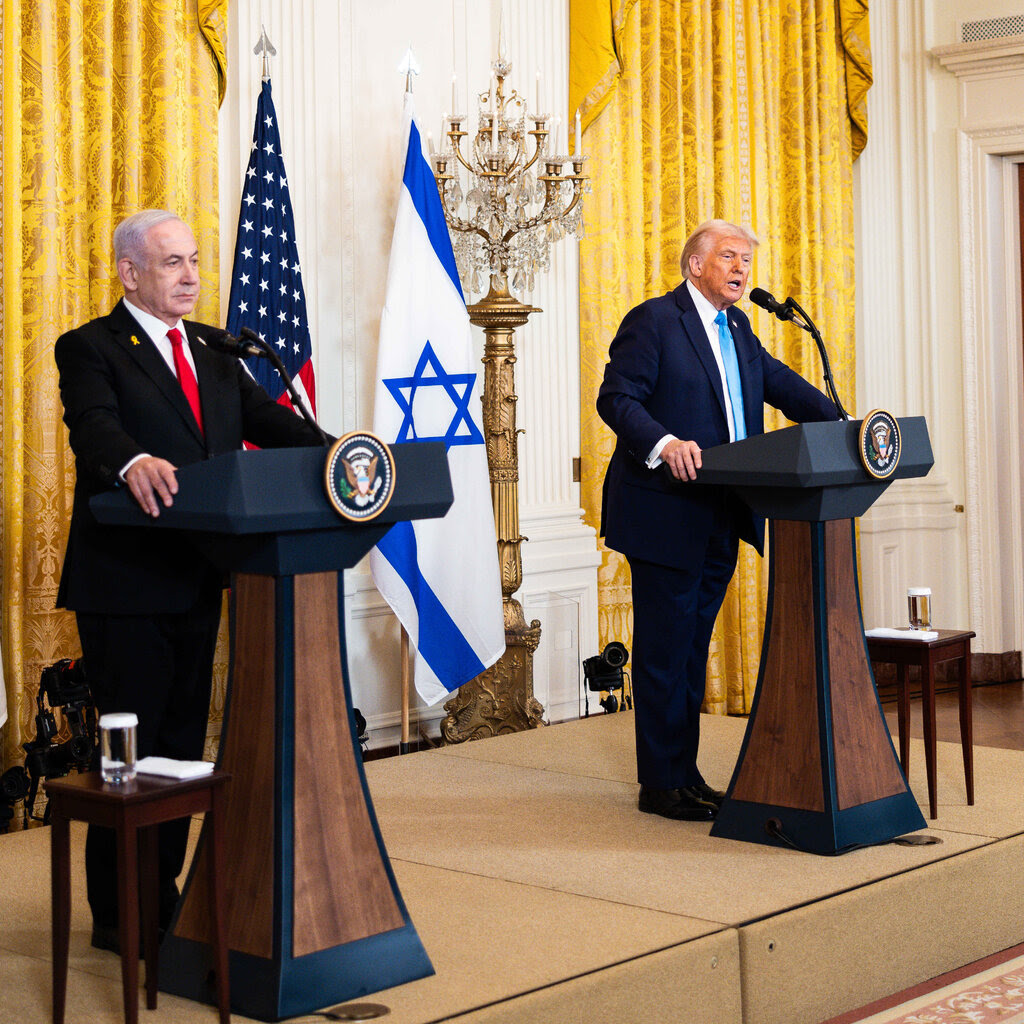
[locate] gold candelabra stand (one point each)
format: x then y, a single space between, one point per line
517 202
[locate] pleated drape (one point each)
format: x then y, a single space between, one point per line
712 108
109 106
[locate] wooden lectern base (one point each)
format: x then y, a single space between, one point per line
817 769
314 916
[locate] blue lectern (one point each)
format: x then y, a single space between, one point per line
817 769
314 915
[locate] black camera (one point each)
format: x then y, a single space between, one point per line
61 685
64 686
604 672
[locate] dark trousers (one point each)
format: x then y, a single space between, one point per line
160 667
674 612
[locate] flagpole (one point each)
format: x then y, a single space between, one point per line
411 68
404 745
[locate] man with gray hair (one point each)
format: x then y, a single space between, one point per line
142 396
685 372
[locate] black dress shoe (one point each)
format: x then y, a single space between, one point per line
677 804
711 796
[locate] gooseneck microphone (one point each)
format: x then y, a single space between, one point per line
222 341
790 310
250 344
759 297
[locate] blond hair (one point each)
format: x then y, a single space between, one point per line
700 241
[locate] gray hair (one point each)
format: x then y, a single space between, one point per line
703 236
130 234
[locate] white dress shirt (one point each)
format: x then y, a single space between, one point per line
707 314
156 330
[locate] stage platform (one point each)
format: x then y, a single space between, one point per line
542 895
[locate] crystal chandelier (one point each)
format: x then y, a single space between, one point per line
516 200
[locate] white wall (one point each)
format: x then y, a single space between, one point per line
339 102
938 315
907 310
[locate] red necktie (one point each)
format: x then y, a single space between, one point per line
186 377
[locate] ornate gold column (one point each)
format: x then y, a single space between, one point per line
501 698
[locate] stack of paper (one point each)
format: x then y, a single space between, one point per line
902 634
174 769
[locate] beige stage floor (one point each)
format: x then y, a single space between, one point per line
542 895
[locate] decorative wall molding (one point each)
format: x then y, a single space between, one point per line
973 468
560 563
908 538
990 142
912 505
992 346
986 58
893 177
900 365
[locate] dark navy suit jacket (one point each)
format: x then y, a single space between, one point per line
662 378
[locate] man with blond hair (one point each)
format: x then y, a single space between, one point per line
142 396
685 372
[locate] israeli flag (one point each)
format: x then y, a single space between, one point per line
440 576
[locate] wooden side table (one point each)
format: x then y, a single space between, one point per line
133 810
950 645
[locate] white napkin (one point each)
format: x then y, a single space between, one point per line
903 634
174 769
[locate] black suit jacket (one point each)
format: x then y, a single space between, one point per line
662 378
121 400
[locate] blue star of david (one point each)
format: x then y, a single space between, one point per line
429 373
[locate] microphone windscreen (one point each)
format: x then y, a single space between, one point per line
764 299
221 341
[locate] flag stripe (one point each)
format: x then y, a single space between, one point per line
440 576
420 182
267 294
305 382
441 641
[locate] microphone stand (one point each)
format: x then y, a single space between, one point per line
806 323
296 398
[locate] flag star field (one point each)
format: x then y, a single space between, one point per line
266 281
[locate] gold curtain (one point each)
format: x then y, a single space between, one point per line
856 36
713 108
109 106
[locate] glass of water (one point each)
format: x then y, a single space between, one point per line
919 607
117 746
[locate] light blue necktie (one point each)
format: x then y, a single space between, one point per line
732 375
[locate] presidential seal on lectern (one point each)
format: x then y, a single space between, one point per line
359 476
880 443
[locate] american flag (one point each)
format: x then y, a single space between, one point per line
266 283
